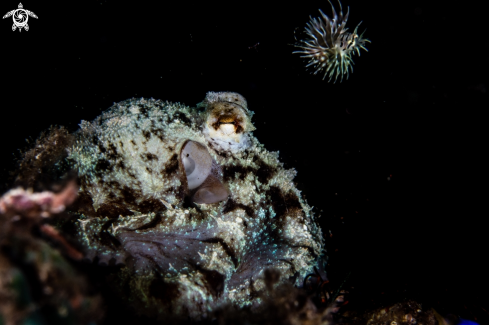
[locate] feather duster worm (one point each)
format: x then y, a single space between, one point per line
329 46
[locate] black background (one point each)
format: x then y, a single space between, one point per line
393 159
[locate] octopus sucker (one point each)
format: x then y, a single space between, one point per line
186 199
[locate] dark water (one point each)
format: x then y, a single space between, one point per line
394 159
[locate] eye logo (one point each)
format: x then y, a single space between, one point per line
20 17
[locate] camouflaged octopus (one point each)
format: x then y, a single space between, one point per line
190 203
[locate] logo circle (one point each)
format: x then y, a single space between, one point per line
20 17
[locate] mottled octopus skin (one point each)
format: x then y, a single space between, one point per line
180 257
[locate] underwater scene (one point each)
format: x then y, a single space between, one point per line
317 162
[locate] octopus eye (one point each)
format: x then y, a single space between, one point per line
197 162
227 121
198 165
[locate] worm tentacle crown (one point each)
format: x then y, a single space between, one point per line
329 46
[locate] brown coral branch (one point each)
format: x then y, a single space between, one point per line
50 231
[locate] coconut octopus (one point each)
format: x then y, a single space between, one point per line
191 205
